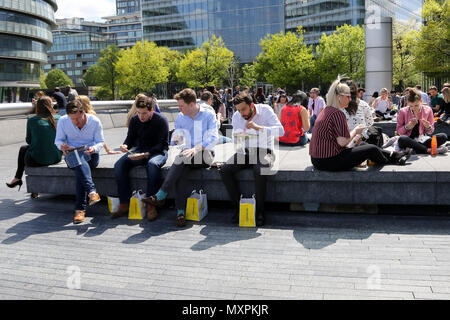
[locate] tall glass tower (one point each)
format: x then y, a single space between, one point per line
25 36
185 24
124 7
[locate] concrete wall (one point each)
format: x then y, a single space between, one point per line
13 130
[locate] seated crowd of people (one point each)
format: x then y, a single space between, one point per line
339 130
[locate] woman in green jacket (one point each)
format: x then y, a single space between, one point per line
40 149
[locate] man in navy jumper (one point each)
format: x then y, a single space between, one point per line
148 138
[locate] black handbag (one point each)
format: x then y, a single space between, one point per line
375 136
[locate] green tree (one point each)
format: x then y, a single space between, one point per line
249 76
342 52
42 80
57 78
172 59
91 77
233 73
107 73
285 60
140 68
433 46
404 39
207 65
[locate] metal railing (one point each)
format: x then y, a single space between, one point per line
17 109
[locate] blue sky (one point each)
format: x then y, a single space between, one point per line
91 10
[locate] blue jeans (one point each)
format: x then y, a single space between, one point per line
85 185
154 176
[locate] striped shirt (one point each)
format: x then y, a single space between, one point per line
330 124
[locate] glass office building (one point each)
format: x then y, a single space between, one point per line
125 7
185 24
76 47
125 28
318 17
25 36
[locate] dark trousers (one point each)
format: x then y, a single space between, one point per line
350 158
24 159
418 147
256 159
153 166
177 177
301 142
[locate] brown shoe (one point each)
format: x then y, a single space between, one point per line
94 197
181 220
79 216
121 211
154 202
152 214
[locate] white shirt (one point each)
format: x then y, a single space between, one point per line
382 105
264 117
363 116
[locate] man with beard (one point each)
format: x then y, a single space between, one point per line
261 121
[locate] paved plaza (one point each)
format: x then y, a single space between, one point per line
297 255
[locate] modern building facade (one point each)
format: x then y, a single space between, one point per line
125 30
25 36
186 24
126 7
76 47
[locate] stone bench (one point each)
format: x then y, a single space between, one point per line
424 181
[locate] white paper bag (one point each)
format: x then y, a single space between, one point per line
196 206
113 204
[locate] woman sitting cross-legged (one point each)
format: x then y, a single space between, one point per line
331 136
295 121
40 149
415 125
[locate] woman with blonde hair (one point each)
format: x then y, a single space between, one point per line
87 108
330 148
40 137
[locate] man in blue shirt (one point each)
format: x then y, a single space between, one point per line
84 131
148 137
196 134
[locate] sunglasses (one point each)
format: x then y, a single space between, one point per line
74 111
346 95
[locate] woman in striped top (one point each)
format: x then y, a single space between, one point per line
331 137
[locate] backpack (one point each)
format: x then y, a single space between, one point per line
375 136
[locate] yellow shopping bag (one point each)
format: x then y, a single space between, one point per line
196 206
113 204
136 210
247 212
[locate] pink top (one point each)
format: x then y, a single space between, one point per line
406 114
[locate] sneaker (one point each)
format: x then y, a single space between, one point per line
94 197
442 150
79 216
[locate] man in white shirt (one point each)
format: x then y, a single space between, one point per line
315 106
261 121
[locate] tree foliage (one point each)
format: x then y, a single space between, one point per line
342 52
107 72
404 39
91 77
140 68
249 76
433 46
57 78
206 65
285 60
42 80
